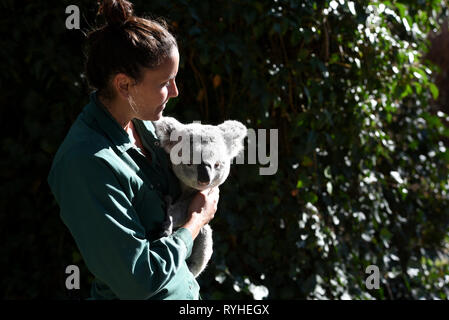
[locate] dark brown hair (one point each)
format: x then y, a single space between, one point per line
125 44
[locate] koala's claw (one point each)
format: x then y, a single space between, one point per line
167 226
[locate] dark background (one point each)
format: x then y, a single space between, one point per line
363 161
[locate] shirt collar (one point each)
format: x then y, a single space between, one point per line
96 111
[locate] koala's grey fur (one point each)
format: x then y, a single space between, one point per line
217 145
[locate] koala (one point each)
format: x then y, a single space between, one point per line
201 158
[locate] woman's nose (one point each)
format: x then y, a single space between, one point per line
173 89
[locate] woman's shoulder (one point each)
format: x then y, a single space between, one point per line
84 144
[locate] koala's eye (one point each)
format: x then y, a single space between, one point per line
217 164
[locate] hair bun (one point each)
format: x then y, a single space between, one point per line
115 12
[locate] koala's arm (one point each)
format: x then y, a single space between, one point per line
178 212
175 216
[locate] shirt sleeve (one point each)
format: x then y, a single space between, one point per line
108 232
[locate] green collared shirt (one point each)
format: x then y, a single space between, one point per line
112 200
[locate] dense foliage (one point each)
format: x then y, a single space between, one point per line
363 168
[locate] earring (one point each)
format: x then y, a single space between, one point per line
132 104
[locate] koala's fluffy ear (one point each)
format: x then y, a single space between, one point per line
234 132
164 127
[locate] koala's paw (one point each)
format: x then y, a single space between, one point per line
167 226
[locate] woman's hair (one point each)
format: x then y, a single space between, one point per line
125 44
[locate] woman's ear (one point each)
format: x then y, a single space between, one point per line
122 84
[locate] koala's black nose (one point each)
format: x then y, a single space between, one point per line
204 172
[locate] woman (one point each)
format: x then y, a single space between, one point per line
110 176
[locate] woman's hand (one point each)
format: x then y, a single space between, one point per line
202 209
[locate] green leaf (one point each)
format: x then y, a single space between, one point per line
434 90
385 234
311 197
402 9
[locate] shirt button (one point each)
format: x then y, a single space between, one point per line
157 143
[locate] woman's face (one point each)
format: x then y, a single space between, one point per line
150 95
